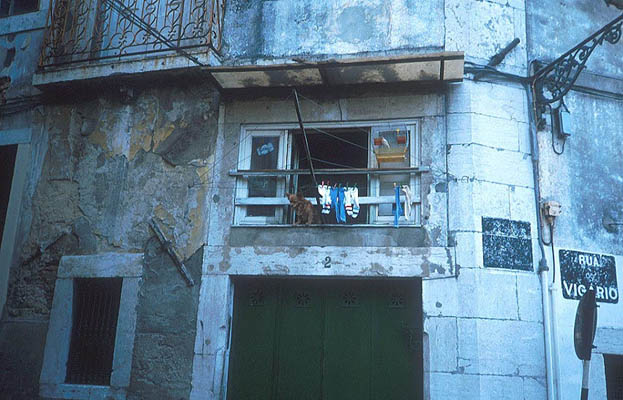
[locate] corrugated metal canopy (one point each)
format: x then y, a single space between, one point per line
446 67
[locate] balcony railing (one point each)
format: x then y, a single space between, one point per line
89 30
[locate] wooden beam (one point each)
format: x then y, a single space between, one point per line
168 246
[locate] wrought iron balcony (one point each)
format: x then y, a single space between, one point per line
91 30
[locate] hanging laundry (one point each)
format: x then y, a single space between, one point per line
348 201
325 198
408 196
265 149
341 211
397 209
334 204
354 195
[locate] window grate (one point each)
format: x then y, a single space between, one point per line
614 376
94 328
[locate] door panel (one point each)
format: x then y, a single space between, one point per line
300 341
397 339
251 370
348 341
326 339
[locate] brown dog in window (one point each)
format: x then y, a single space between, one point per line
304 209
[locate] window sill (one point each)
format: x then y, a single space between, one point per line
23 22
329 235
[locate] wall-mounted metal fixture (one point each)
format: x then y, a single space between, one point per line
499 57
553 81
562 126
617 3
562 122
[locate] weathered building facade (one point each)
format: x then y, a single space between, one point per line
147 148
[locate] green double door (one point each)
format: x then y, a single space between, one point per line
326 339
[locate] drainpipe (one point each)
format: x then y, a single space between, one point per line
552 393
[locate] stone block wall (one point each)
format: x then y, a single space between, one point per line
492 341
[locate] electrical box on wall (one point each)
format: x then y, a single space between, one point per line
562 122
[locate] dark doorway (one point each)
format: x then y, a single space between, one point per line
326 339
7 166
614 376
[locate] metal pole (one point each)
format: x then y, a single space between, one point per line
309 158
586 367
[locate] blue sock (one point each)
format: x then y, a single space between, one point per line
397 208
334 203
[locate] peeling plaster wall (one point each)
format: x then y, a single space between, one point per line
20 46
103 165
282 28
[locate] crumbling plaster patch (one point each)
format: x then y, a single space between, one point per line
107 169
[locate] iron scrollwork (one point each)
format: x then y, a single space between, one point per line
553 81
88 30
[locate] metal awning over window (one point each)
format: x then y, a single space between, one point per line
433 67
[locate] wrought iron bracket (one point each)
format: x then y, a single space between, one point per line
554 80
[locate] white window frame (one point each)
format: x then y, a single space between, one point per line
244 162
53 372
285 162
414 181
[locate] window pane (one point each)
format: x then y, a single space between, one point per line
264 155
387 189
391 146
25 6
5 6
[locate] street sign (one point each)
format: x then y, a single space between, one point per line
580 271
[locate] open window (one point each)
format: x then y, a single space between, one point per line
376 159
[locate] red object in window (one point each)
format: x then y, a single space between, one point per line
401 139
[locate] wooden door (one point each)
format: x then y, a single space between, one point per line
299 339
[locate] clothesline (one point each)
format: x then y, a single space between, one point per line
330 163
340 139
